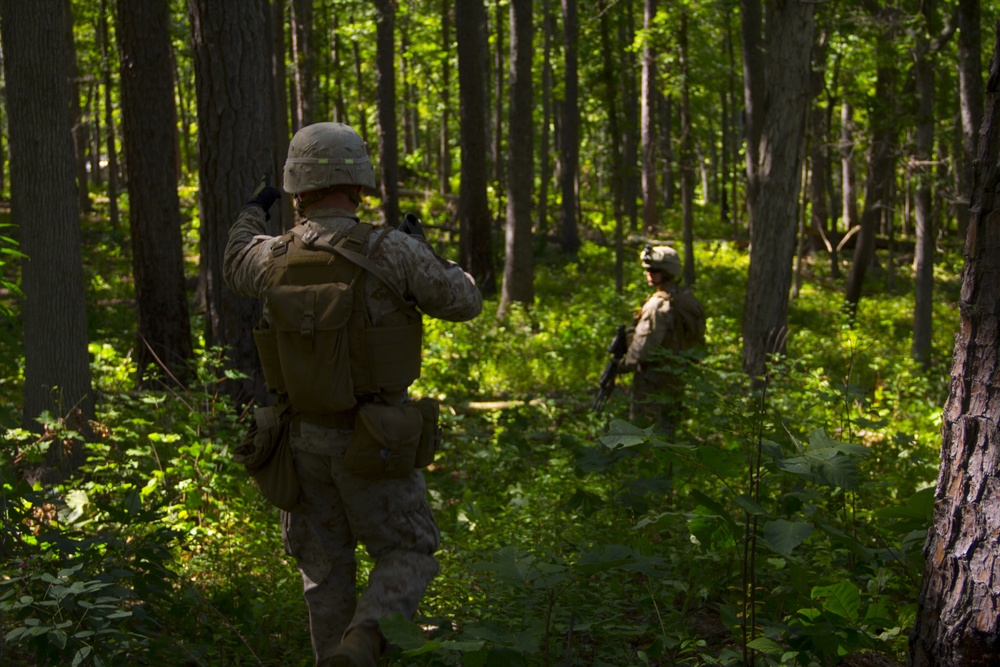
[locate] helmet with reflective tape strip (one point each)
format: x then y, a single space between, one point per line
661 258
326 154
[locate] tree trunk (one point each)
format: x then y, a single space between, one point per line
970 86
519 270
114 217
498 115
879 174
282 211
818 128
304 61
444 164
610 80
475 244
665 142
776 113
235 146
337 53
77 125
848 179
648 130
544 143
570 137
687 152
630 117
958 615
149 131
923 261
388 145
44 207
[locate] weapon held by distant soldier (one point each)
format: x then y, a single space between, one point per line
617 350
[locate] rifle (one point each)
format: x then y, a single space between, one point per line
617 349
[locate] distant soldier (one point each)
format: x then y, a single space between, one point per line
672 320
340 344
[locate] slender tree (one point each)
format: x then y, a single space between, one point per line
518 271
304 59
235 146
475 244
687 152
44 207
388 146
444 157
650 218
109 121
570 137
150 137
970 85
958 615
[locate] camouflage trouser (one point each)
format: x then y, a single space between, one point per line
391 518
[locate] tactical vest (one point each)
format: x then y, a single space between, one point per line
317 343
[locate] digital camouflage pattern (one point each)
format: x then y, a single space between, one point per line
338 510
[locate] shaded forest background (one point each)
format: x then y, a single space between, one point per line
812 161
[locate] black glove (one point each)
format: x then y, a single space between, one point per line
411 225
264 196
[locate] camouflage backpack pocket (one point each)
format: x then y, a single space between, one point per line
266 453
385 441
310 323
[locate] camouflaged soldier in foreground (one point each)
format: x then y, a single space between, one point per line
672 320
326 169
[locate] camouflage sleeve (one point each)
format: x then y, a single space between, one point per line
439 287
247 253
649 332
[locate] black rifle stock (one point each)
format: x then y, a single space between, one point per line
617 349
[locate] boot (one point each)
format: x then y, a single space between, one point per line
361 647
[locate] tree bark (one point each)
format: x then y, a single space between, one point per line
114 217
444 157
44 207
78 126
958 613
970 86
235 146
630 116
282 211
777 93
149 131
647 127
475 243
570 137
388 143
519 270
610 80
498 114
544 142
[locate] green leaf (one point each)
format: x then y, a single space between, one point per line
80 656
842 599
623 434
840 471
784 536
747 504
766 646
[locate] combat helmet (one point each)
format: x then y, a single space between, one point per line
326 154
660 258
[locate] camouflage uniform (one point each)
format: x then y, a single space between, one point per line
672 320
390 517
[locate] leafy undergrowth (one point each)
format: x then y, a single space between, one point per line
781 525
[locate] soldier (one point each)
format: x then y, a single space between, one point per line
340 343
672 320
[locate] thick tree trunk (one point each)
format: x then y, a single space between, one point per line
44 207
475 243
235 147
149 130
570 138
650 219
958 614
77 125
519 270
777 109
388 145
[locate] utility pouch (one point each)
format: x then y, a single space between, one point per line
312 345
385 441
266 339
430 434
266 453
